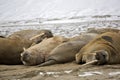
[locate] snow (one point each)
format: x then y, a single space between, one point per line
90 73
114 73
49 9
64 29
63 17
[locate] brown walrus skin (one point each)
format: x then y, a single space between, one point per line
63 53
38 53
12 46
104 49
10 50
35 36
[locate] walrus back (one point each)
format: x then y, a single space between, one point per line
11 49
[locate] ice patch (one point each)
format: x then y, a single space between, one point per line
114 73
68 71
41 73
90 74
52 73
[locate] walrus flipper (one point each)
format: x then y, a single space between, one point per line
47 63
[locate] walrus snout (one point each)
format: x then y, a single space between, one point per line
102 57
86 58
25 57
99 57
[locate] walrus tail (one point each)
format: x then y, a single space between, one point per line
47 63
91 62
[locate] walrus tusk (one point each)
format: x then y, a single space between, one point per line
47 63
24 48
21 54
36 36
91 62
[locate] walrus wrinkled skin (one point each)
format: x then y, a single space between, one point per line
10 50
12 46
104 49
35 36
38 53
63 53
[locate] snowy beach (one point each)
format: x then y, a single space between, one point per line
63 17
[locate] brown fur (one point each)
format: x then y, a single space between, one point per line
28 34
10 50
38 53
13 45
104 48
63 53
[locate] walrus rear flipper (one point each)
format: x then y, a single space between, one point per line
47 63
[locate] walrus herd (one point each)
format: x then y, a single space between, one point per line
12 46
42 48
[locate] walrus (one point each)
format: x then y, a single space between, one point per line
63 53
35 36
38 53
10 50
104 49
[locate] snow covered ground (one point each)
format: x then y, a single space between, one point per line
55 9
64 29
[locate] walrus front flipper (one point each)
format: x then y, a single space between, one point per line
47 63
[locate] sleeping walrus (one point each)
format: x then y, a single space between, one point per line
63 53
10 50
35 36
38 53
104 49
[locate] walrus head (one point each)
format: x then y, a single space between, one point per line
44 34
102 57
99 57
29 58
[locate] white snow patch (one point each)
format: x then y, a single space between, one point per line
114 73
41 73
52 73
68 71
90 73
